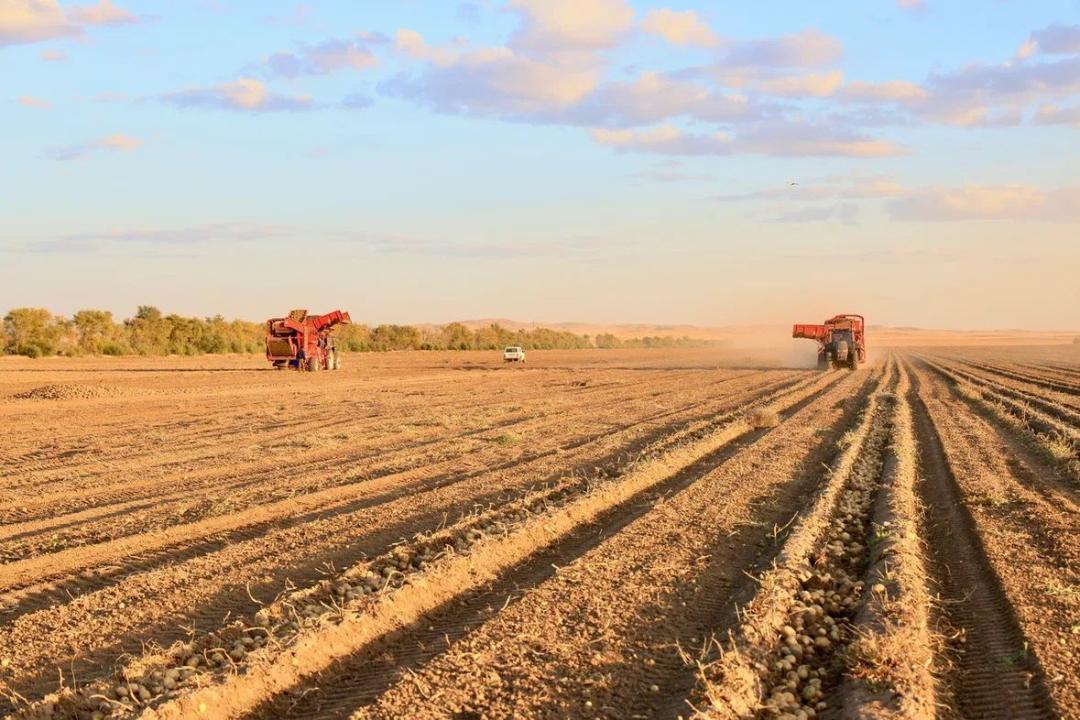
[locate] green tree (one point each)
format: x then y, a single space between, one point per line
36 332
95 330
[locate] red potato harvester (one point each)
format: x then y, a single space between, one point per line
841 340
303 341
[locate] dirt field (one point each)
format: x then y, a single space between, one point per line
608 534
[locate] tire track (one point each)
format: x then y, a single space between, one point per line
1012 374
995 674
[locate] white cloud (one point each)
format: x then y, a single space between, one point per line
679 28
323 58
663 139
1056 39
491 81
805 49
246 94
103 13
801 139
30 21
412 44
892 91
1054 115
653 97
552 27
806 85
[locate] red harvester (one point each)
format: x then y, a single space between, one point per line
304 341
841 340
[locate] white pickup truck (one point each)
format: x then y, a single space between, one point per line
513 353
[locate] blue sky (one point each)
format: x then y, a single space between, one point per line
598 160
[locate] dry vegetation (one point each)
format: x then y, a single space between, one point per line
603 534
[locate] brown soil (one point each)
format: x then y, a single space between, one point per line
614 534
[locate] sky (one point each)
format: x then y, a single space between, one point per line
605 161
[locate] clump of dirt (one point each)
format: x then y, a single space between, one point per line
69 391
764 418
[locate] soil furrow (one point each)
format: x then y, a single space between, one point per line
451 578
994 676
628 636
391 525
299 490
209 479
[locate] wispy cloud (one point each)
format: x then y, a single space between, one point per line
245 95
911 5
809 48
31 101
1044 71
356 101
171 241
795 138
109 143
489 81
663 139
814 190
1056 39
1054 115
176 237
326 57
981 202
846 213
54 56
31 21
779 138
102 13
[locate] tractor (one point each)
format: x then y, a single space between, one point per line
304 342
841 340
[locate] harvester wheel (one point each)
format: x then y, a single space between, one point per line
336 359
313 365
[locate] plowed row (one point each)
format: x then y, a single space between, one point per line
634 535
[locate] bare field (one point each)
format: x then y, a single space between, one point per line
596 534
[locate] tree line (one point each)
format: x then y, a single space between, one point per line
36 332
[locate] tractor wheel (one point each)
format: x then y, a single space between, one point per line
336 359
842 352
313 364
